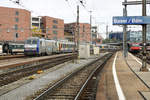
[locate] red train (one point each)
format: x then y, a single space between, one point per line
134 47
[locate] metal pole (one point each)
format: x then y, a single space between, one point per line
78 30
125 33
91 26
107 36
144 68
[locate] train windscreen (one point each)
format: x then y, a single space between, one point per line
135 45
31 42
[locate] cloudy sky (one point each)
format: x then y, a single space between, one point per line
102 10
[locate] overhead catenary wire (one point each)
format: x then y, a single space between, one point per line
18 2
71 8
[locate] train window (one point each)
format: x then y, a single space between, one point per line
21 46
14 46
34 41
135 45
28 42
63 45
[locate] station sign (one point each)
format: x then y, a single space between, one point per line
131 20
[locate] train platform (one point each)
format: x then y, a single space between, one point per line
121 79
23 92
135 64
28 60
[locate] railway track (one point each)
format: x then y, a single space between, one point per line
75 85
11 57
24 71
139 55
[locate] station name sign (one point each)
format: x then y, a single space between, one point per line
131 20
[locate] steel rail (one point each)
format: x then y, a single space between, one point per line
11 57
89 78
10 77
56 85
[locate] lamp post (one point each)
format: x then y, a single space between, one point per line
91 26
125 32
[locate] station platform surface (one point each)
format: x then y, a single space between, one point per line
121 79
135 64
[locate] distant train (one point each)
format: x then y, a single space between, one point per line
38 46
108 47
134 47
11 47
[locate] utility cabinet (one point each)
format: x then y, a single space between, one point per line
96 50
84 51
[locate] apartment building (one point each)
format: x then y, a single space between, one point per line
71 32
53 28
14 24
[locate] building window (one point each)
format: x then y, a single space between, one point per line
55 38
17 19
55 32
17 13
17 35
16 27
55 21
54 26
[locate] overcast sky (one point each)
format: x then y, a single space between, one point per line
103 10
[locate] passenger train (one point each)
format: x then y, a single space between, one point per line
38 46
108 47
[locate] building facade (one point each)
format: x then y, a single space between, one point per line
14 24
135 36
36 22
71 32
132 36
118 36
37 27
53 28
